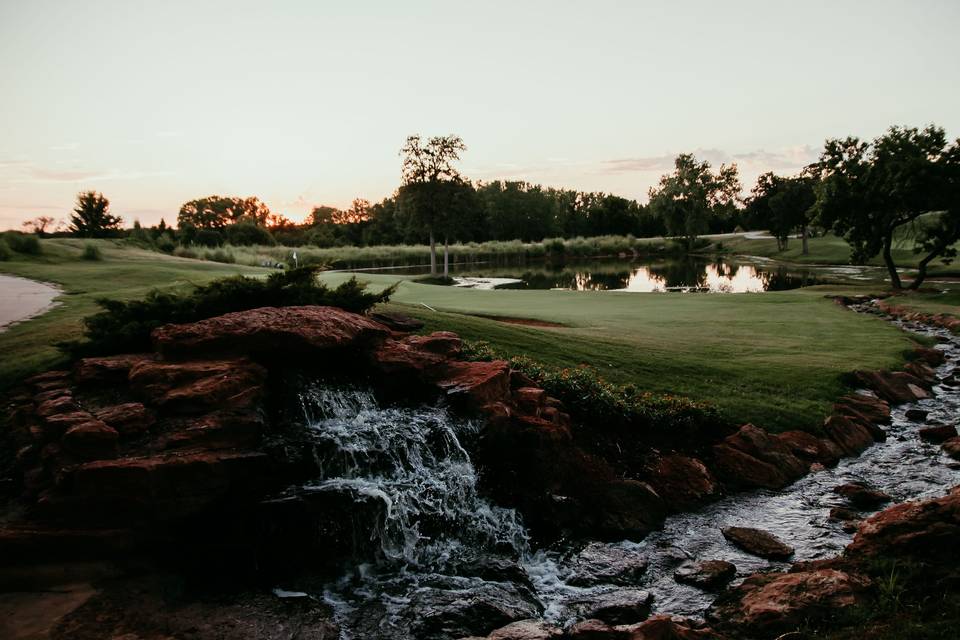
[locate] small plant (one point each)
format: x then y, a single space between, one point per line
91 252
22 243
219 256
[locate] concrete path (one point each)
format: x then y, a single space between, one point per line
21 299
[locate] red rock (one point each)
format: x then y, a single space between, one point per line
593 629
59 405
754 458
526 630
952 448
520 379
868 408
897 387
91 440
216 430
922 371
444 343
272 332
57 425
127 418
932 357
397 321
740 470
53 394
49 376
810 448
529 400
767 604
683 482
938 434
107 370
922 531
852 437
198 386
664 627
479 382
758 542
709 574
401 357
862 496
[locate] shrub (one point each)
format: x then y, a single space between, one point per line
22 242
126 326
611 407
248 233
186 252
219 256
208 238
166 244
4 250
91 252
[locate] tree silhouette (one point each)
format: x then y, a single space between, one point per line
91 216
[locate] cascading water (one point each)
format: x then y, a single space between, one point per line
448 563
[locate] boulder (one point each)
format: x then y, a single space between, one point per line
529 400
270 332
397 321
938 434
916 415
851 437
927 355
91 440
526 630
952 448
198 385
866 407
709 574
600 563
453 613
127 418
765 605
739 470
620 606
664 627
758 542
478 383
109 370
861 496
593 629
58 405
683 482
922 371
810 448
895 387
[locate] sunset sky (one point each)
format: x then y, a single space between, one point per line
307 102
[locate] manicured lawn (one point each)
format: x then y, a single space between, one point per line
124 273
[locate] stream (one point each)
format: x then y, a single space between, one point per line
449 564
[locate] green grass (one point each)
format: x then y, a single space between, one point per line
775 359
123 272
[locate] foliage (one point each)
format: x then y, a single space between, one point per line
690 198
782 205
907 179
22 243
246 233
91 252
39 225
4 250
607 406
219 256
216 212
91 216
125 326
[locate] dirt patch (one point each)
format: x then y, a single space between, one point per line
528 322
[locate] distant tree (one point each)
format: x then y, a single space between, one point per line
91 216
217 212
689 197
431 186
904 186
322 215
782 205
38 225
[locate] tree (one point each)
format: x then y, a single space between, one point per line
782 205
431 185
91 216
688 198
902 187
217 212
38 225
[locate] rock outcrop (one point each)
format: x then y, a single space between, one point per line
758 542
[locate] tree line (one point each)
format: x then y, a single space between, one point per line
902 186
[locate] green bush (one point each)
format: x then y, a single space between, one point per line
91 252
4 250
22 242
219 256
126 326
611 407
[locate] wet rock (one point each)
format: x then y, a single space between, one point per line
924 531
443 613
600 563
758 542
594 630
58 405
91 440
922 371
952 448
810 448
844 514
526 630
443 343
916 415
492 568
862 496
932 357
216 430
895 387
768 448
529 400
127 418
708 574
479 383
767 604
621 606
200 385
109 370
622 508
664 627
866 407
270 332
938 434
852 437
683 482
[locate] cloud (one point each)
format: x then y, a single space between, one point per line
22 172
69 146
788 159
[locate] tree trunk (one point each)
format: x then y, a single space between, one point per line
446 257
888 260
433 255
804 235
922 267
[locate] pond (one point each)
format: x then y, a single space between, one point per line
689 274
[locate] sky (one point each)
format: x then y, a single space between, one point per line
308 102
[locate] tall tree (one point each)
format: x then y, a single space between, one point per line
38 225
782 205
689 197
431 186
91 216
903 186
217 212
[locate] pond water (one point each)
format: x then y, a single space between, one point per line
690 274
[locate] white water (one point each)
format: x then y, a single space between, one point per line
436 529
